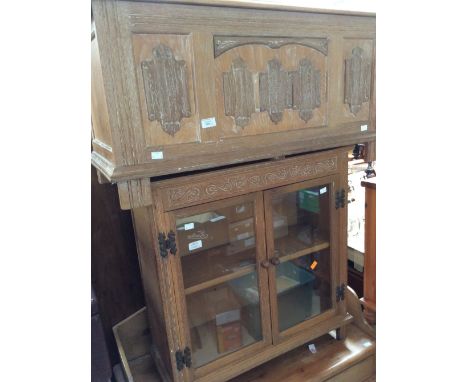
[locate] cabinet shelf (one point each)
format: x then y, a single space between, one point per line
222 279
290 247
216 266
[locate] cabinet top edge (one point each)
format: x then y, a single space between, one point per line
275 5
210 174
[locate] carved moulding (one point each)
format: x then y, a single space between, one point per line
275 90
250 181
238 91
224 43
166 89
305 89
357 80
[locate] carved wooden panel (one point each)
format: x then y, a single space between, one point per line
195 190
355 85
224 43
306 89
165 78
275 90
239 92
166 89
289 89
357 79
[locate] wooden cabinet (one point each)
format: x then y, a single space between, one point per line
180 87
243 264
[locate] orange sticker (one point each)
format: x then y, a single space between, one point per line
313 265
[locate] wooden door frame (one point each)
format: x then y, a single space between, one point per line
193 373
333 182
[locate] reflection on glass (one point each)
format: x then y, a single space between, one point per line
218 256
301 228
224 318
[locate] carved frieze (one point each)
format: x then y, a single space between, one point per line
248 181
238 88
166 89
275 90
306 89
224 43
357 80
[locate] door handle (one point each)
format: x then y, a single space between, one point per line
265 264
275 261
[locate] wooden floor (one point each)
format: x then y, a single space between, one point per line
351 360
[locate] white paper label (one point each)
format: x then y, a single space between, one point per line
195 245
243 236
312 348
363 127
157 155
240 209
220 217
323 190
208 122
279 221
189 226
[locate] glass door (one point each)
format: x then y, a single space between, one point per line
225 291
300 221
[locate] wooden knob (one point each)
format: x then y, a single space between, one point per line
275 261
265 263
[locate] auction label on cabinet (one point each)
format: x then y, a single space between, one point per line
363 127
157 155
189 226
208 122
195 245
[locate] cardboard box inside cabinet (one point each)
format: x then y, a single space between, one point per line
241 230
309 200
240 246
239 212
286 205
228 330
200 232
206 305
280 226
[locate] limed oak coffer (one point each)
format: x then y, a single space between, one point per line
180 86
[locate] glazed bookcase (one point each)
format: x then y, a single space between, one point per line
244 264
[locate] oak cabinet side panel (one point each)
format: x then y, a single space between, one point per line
102 139
155 284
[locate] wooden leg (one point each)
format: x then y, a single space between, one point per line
341 333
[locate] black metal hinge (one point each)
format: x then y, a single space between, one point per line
340 292
183 358
340 198
166 244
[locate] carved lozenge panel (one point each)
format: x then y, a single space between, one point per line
357 79
306 89
166 89
252 180
238 90
275 90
